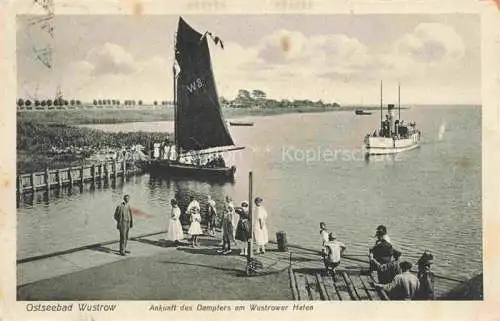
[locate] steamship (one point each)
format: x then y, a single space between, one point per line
395 135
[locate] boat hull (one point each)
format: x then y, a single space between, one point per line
362 112
240 124
176 169
385 146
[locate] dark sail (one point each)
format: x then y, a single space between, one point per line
198 119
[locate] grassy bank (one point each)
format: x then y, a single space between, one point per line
111 116
36 140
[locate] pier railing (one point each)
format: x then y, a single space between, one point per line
57 178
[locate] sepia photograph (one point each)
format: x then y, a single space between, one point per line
250 157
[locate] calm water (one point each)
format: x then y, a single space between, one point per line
429 198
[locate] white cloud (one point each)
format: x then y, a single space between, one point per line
285 64
111 58
109 71
431 43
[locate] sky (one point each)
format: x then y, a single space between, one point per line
333 58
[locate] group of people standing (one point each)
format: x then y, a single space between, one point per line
235 223
393 275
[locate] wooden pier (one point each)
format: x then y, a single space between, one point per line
353 280
57 178
348 285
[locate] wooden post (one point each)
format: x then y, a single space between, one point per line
92 173
59 180
115 168
81 175
250 216
70 176
33 186
124 167
106 169
47 179
20 187
100 171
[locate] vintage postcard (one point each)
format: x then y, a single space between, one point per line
250 159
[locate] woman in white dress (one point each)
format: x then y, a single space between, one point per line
175 232
260 227
195 228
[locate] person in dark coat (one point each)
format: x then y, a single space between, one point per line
243 227
382 252
124 222
387 272
425 277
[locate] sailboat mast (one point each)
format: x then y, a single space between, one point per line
381 104
174 75
399 101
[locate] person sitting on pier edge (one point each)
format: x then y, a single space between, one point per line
425 277
387 271
334 252
124 222
382 252
323 232
404 286
243 227
382 230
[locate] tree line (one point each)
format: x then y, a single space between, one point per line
48 102
75 102
258 98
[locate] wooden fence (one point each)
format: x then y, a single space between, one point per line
57 178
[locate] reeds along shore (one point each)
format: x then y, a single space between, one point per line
36 142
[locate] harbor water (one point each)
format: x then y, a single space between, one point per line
308 168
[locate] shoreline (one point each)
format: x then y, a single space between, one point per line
117 116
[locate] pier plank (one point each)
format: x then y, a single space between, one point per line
349 285
372 292
341 288
330 287
322 287
301 286
293 284
312 287
359 287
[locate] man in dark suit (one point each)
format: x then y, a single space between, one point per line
124 221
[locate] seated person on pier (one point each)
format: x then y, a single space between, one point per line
382 252
334 251
404 286
387 271
425 277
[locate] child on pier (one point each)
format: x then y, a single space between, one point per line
195 228
227 230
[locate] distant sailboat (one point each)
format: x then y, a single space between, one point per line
200 129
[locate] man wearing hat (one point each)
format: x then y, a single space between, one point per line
404 286
334 251
387 271
124 222
382 230
425 277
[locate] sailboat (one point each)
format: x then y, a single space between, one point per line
395 135
200 129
